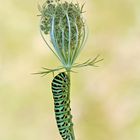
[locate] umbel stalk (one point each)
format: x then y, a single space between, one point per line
72 130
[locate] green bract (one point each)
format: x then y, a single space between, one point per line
64 23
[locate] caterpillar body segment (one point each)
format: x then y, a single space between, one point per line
60 90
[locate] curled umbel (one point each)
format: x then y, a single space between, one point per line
64 24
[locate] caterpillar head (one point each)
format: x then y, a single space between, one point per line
64 24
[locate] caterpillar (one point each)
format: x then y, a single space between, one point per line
61 90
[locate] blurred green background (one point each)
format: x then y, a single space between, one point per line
105 100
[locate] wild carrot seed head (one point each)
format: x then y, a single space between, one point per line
64 23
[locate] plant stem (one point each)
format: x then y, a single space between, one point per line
72 136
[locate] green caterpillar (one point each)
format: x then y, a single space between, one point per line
60 90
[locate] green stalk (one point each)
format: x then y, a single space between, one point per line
72 137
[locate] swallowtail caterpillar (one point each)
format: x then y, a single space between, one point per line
60 89
63 24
